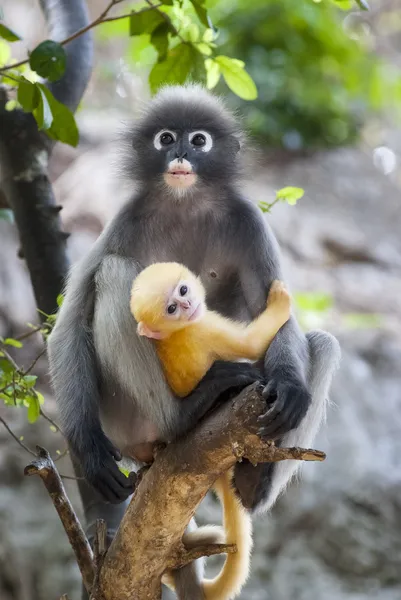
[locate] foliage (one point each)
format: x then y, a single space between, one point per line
288 194
183 42
315 82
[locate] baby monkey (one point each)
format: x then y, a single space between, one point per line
168 303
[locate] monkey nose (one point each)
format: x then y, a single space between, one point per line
181 155
185 304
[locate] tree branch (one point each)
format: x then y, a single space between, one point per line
149 543
45 468
102 18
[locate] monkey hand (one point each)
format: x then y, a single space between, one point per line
289 401
102 472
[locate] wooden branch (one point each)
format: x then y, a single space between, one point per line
45 468
149 538
148 543
181 558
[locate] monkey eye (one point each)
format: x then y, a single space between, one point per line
171 309
183 290
164 138
202 140
198 140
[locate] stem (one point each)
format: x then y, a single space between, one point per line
45 468
16 438
102 18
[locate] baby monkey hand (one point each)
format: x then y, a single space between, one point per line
279 301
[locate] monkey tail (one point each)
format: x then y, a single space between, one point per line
237 524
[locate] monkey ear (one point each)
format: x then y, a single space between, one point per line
145 331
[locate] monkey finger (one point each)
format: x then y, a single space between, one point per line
109 493
269 392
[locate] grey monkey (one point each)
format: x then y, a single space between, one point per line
185 154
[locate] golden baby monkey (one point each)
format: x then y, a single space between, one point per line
168 303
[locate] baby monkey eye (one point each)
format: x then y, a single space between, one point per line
171 309
183 290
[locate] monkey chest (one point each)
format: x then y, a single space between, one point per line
184 363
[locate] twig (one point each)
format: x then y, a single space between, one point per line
27 334
33 363
61 455
272 453
46 469
45 416
102 18
16 438
180 560
99 550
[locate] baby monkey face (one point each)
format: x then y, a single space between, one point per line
185 303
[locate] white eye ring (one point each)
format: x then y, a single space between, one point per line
157 139
209 141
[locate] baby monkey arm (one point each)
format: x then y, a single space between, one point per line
231 340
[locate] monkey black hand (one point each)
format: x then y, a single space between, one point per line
101 471
289 402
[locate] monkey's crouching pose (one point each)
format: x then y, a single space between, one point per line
185 154
168 303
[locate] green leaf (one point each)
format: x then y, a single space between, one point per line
290 194
43 113
48 60
204 48
159 39
201 11
63 127
125 472
12 342
212 73
237 78
167 2
264 206
28 95
363 4
33 409
313 301
59 300
40 398
5 53
8 34
344 4
6 215
11 105
145 22
30 380
174 69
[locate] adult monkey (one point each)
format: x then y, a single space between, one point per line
185 156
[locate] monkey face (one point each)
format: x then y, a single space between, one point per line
186 303
186 139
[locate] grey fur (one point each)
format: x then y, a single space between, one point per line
100 367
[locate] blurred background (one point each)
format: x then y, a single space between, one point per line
327 119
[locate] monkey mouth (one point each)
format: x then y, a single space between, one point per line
195 313
180 178
180 174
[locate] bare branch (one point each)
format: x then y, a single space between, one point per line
45 468
180 559
16 438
